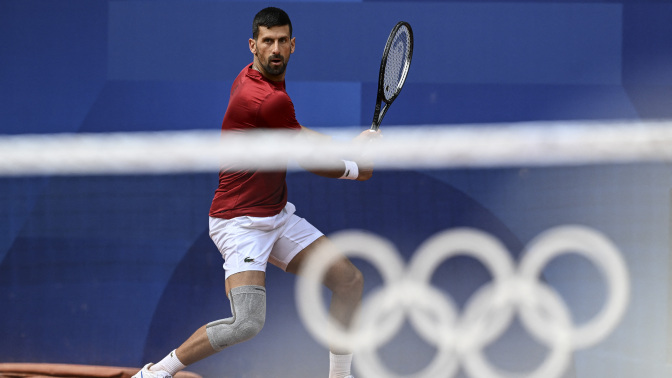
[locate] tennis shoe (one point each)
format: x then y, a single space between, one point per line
146 373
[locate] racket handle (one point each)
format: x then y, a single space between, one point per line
374 127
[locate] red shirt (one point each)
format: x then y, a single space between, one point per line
255 103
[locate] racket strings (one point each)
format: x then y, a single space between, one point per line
397 63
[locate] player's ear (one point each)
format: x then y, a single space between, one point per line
253 45
292 45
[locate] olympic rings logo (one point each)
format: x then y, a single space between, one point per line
461 338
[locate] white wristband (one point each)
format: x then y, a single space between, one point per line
351 170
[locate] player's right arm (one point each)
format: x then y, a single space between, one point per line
277 111
364 166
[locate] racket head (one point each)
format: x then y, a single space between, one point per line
396 62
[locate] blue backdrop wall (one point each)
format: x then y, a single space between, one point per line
118 270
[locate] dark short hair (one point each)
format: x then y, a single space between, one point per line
270 17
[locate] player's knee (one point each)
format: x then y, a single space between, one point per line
248 305
356 283
351 282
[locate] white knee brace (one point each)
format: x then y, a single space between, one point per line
248 306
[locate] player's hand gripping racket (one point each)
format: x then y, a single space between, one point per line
393 69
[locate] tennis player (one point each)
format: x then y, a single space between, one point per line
251 221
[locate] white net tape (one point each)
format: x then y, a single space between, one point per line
448 146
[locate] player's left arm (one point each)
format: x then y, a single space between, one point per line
362 167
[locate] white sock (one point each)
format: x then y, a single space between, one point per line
339 365
170 364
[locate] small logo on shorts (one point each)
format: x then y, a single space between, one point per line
248 259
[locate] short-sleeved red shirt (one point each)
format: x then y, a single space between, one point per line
255 103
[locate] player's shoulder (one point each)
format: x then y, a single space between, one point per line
276 100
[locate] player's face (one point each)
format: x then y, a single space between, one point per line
271 50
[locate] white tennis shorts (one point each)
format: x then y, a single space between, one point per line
249 243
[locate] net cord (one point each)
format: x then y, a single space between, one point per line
409 147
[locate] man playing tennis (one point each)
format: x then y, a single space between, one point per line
251 221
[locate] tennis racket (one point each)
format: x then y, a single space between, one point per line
393 69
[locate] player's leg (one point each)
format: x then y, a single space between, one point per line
248 307
245 244
343 279
247 298
247 295
299 240
346 283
